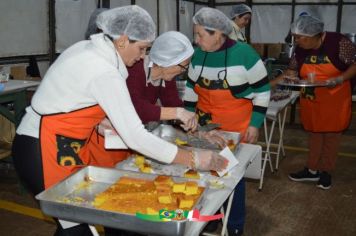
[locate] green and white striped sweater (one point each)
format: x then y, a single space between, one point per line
246 77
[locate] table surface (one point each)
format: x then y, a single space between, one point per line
215 198
275 107
18 85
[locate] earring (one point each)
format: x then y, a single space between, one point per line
121 46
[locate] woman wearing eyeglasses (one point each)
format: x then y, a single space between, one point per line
153 78
227 84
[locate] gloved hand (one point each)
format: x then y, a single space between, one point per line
188 118
214 137
209 160
331 83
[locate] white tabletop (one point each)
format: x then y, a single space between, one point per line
215 198
18 85
275 107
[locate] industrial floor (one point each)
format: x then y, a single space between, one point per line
282 207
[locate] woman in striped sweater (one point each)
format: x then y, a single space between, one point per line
227 84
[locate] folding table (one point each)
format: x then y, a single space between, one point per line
276 112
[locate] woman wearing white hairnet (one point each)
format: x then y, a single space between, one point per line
151 79
241 17
325 111
227 84
85 84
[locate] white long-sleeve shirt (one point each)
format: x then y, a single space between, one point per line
88 73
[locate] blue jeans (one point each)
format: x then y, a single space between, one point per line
238 210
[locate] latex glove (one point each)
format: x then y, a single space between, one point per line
331 83
188 118
214 137
209 160
104 124
251 135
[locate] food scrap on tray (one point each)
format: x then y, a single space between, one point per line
192 174
141 163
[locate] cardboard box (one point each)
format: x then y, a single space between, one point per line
18 72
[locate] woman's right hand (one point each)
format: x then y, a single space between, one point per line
209 160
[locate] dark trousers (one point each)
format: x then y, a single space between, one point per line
238 209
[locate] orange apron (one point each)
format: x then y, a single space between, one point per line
66 143
324 109
219 106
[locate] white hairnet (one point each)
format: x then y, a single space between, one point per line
240 9
213 19
170 48
132 21
92 28
307 25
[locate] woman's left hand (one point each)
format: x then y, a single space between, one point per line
251 135
188 118
214 137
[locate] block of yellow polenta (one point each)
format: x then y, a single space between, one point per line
146 168
179 187
165 199
192 174
191 188
139 160
186 202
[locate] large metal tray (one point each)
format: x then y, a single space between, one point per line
169 133
88 182
302 83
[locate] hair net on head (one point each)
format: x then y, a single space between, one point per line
92 28
213 19
239 10
132 21
170 48
307 25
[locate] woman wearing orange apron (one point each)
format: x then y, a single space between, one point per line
227 84
325 111
85 84
150 80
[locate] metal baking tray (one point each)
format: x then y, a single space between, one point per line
170 134
86 184
302 83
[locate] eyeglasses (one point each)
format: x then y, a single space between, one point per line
184 68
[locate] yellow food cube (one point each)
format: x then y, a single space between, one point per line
165 199
179 187
139 160
186 202
191 188
151 211
146 168
192 174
